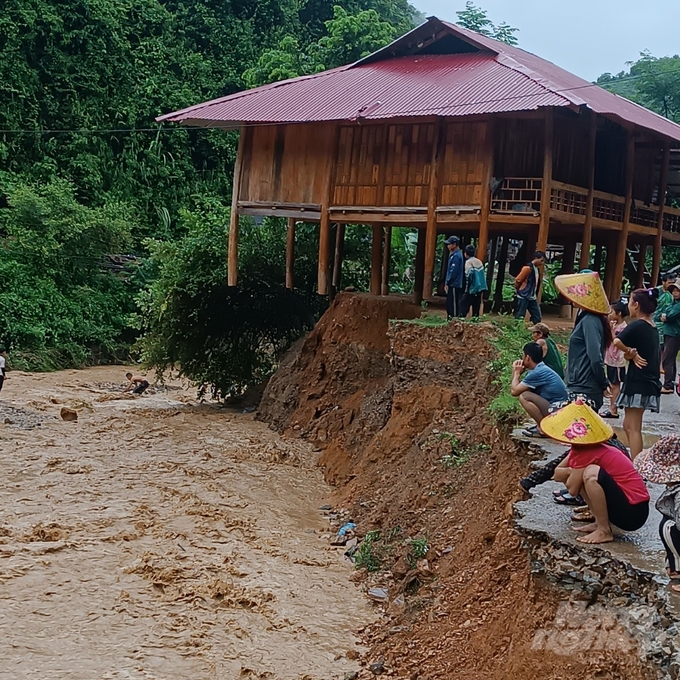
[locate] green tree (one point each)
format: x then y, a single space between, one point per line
57 301
477 19
349 38
222 338
653 82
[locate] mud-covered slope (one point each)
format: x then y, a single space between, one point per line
401 417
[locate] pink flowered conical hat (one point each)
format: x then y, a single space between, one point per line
661 463
584 290
576 423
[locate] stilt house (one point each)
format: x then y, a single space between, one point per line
449 131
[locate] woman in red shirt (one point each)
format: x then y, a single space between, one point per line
606 478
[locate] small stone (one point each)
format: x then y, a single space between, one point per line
352 654
68 414
377 667
378 594
326 507
352 675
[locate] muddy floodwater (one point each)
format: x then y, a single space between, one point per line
158 538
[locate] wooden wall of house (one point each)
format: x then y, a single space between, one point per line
390 165
462 164
519 147
570 149
384 165
287 163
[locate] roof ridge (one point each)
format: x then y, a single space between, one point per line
504 59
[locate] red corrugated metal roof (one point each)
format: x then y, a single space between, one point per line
496 78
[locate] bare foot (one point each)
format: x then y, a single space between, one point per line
673 575
675 588
586 528
598 536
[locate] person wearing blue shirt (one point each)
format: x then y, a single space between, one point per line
455 277
536 385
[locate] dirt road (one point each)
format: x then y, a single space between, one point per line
158 538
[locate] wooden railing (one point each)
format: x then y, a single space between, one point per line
521 195
568 198
671 220
518 195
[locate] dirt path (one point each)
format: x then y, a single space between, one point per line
157 538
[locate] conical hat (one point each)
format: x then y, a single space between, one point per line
585 290
576 423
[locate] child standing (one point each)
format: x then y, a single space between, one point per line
661 465
614 359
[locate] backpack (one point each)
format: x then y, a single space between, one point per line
477 281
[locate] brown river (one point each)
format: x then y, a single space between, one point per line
159 538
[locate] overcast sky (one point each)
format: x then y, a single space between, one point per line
586 37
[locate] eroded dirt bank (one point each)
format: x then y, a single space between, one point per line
400 412
158 538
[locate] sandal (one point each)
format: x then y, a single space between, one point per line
582 516
609 414
568 499
533 432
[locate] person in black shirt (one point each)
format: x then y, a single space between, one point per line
639 342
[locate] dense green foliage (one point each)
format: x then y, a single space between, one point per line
85 172
55 299
650 81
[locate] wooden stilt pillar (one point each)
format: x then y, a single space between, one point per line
485 199
419 268
568 257
492 265
324 269
587 238
339 254
661 200
290 254
376 259
431 232
617 277
546 186
610 267
232 257
387 256
500 278
641 266
597 263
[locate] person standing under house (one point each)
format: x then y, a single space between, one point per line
661 465
639 342
671 340
528 285
540 334
455 278
475 283
536 386
665 301
614 359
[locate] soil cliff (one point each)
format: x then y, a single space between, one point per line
399 411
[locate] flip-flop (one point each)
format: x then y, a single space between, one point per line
584 516
568 499
533 434
609 414
560 492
